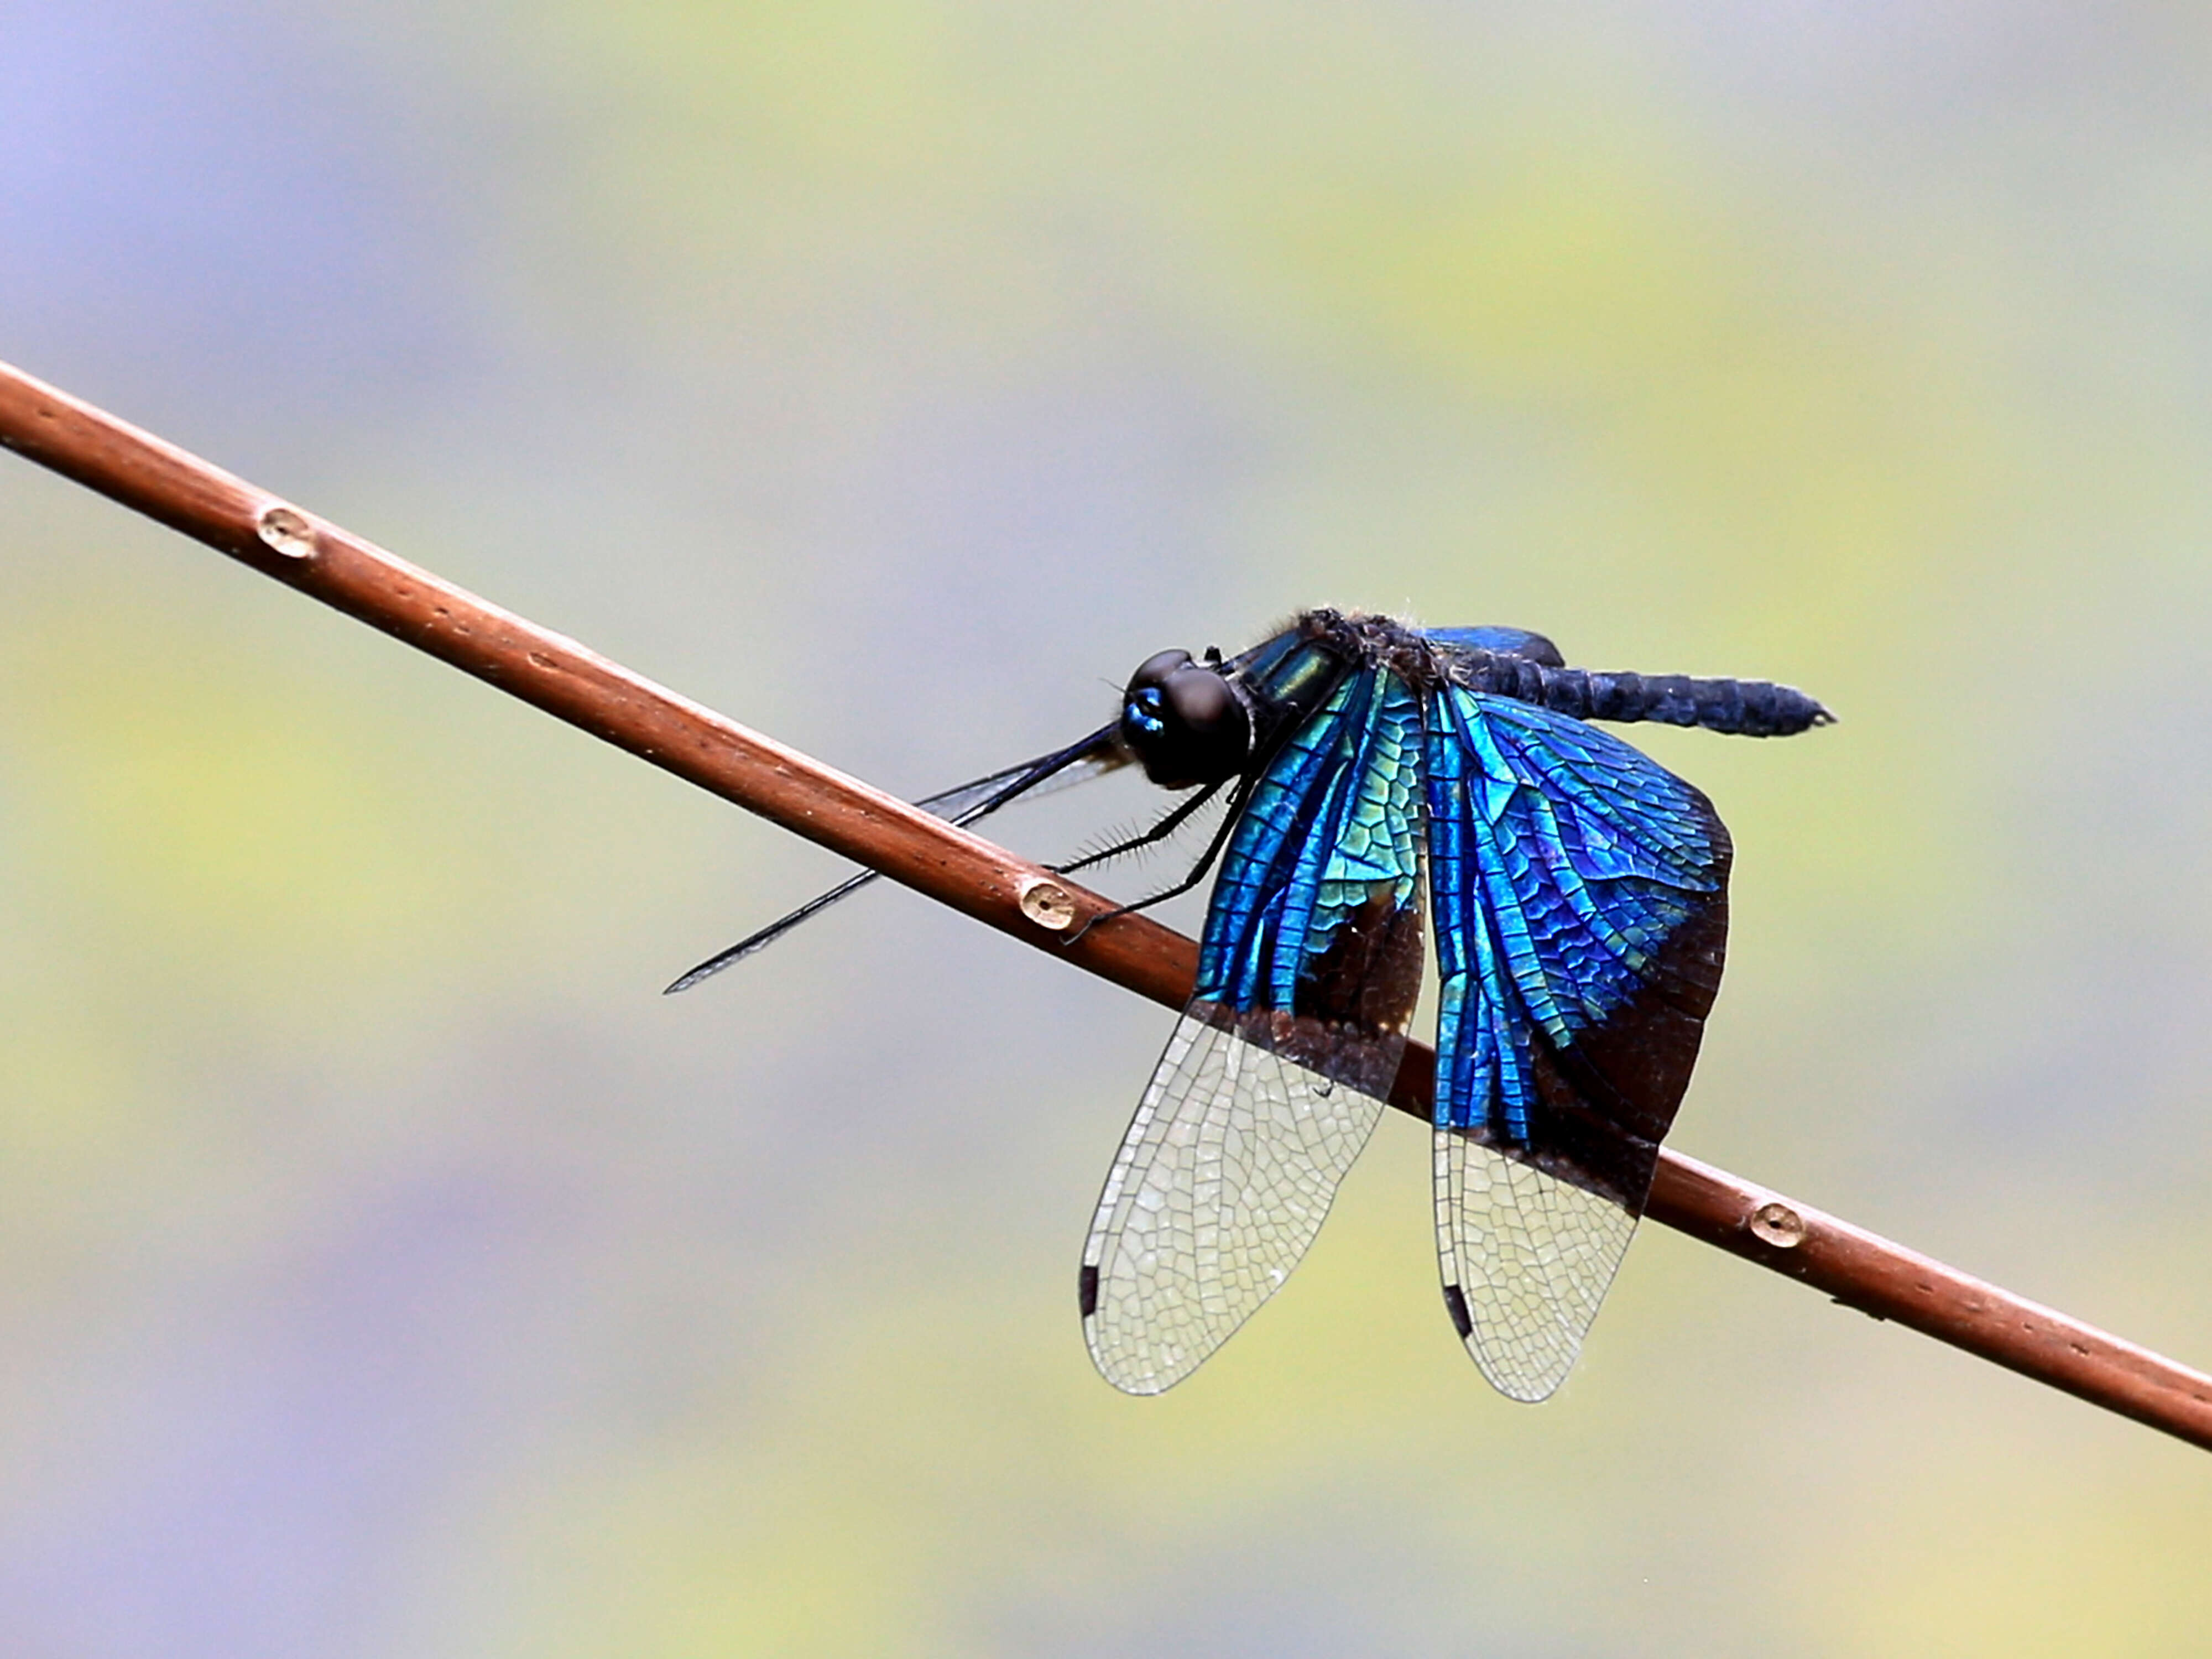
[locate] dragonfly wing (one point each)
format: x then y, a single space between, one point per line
964 804
1226 1176
1580 892
1527 1258
1095 757
1276 1074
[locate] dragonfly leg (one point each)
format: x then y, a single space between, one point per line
1167 826
1198 870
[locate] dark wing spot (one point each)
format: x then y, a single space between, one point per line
1455 1304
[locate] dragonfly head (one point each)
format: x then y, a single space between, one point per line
1185 721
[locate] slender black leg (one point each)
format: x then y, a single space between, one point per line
1198 870
1167 826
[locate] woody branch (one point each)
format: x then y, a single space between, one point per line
574 684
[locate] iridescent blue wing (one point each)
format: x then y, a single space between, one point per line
1506 642
1308 972
1580 892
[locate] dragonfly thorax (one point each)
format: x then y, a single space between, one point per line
1186 722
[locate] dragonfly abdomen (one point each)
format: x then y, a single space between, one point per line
1750 708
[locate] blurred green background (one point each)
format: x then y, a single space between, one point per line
385 1269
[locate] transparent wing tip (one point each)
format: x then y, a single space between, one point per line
1127 1356
1224 1177
1134 1374
1527 1261
1520 1374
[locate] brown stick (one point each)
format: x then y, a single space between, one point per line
1009 893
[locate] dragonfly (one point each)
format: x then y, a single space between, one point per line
1578 891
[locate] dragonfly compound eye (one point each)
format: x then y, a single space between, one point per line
1186 723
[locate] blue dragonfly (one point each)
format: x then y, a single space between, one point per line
1579 891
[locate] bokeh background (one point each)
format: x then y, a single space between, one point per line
386 1269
